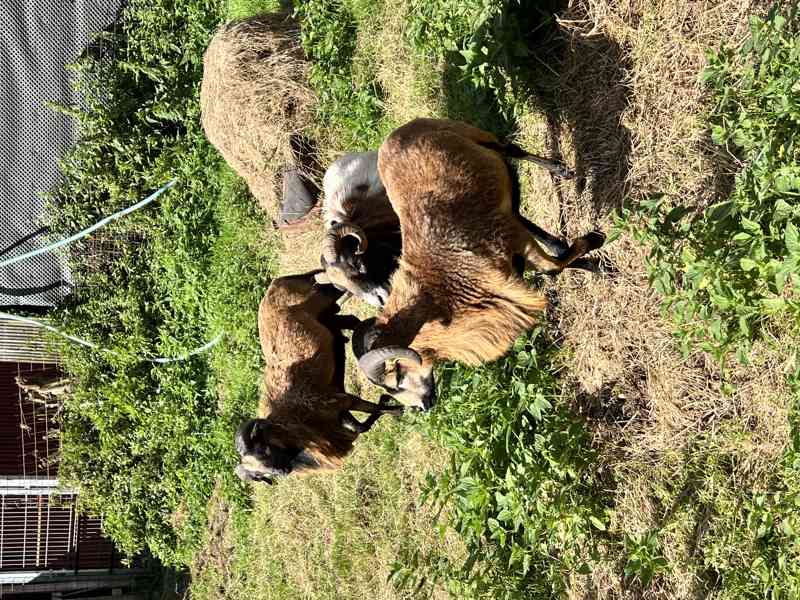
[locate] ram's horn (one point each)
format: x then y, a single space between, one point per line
373 362
330 247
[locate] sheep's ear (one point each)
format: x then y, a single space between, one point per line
322 278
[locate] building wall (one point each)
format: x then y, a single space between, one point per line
24 342
39 531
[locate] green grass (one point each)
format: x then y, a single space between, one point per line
145 443
504 490
337 535
519 488
732 269
729 277
329 34
241 9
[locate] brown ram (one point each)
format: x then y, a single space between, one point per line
456 294
304 421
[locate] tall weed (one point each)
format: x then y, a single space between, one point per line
145 444
349 105
491 47
519 489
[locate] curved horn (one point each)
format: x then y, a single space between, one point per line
373 362
330 247
345 229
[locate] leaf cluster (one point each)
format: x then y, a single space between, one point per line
733 268
489 42
520 488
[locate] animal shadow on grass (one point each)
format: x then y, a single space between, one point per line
577 78
537 57
589 96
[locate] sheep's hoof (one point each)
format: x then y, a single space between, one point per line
298 193
349 425
595 239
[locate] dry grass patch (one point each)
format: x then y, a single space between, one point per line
255 101
337 534
211 569
631 121
621 347
632 125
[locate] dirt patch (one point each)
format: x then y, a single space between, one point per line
256 104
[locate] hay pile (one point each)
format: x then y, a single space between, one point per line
255 101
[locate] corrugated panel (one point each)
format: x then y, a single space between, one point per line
21 342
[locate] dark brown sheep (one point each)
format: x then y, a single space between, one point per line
304 421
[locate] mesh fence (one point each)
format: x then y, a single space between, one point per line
37 41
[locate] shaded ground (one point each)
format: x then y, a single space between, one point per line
631 105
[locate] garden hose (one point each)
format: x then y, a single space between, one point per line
82 234
54 246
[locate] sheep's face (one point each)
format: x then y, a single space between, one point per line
349 273
265 456
401 371
410 384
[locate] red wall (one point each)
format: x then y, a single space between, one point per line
40 532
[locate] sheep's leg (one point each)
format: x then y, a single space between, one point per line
555 245
371 408
349 322
376 411
350 423
541 261
556 167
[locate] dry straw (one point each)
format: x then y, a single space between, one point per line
255 100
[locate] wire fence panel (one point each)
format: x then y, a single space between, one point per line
41 532
29 426
37 41
39 529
